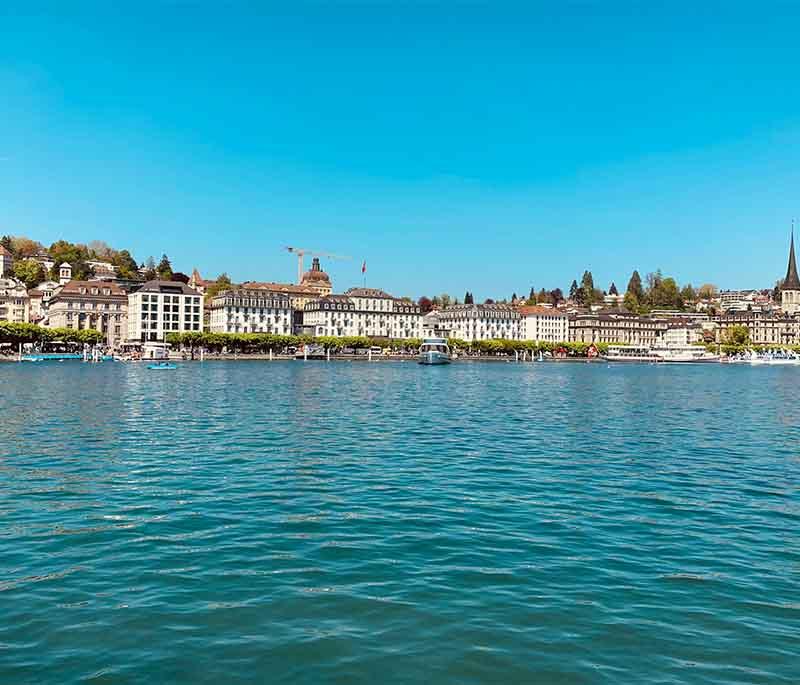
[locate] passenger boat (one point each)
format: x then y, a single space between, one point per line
685 354
630 353
434 351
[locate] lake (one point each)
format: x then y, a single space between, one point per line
346 522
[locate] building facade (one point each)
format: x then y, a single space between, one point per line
790 288
90 305
14 301
764 328
162 307
363 312
616 327
433 327
544 324
472 322
249 310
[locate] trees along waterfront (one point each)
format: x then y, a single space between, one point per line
262 343
15 333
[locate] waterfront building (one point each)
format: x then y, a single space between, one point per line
315 283
90 305
616 326
40 299
363 312
250 310
765 328
434 327
162 307
678 335
472 322
544 324
14 301
790 288
6 262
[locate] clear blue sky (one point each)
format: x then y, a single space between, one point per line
483 147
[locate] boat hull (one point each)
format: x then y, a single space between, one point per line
434 358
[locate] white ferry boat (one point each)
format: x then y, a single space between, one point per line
685 354
630 353
434 351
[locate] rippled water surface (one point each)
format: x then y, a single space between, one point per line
235 522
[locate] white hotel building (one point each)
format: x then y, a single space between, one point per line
544 324
363 312
162 307
482 322
251 310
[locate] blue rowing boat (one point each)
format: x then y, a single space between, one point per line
162 366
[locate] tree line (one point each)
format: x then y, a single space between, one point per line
77 255
15 333
263 343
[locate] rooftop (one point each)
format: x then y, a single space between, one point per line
166 287
527 310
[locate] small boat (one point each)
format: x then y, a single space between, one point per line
434 351
162 366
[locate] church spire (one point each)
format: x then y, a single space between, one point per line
792 281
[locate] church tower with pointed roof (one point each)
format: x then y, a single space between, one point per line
790 289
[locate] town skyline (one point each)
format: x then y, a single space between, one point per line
514 158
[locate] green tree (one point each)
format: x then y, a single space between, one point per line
631 303
587 286
126 264
635 287
613 289
688 294
164 269
543 297
150 269
30 272
737 335
75 255
574 292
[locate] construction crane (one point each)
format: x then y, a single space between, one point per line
302 252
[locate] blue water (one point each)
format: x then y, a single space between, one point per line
254 522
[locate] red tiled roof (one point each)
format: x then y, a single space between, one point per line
536 309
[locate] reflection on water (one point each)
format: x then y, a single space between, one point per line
387 522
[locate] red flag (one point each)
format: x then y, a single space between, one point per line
364 267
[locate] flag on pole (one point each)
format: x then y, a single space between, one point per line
364 267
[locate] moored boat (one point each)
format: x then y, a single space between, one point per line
685 354
434 351
630 353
